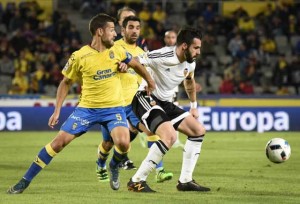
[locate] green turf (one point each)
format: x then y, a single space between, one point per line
234 165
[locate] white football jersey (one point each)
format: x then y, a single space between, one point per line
166 70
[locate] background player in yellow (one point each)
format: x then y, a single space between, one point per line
130 83
95 66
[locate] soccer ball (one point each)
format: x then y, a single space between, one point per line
278 150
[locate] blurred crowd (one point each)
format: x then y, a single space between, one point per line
241 54
33 50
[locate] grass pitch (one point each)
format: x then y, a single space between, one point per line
233 165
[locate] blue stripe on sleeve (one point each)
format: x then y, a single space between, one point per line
128 58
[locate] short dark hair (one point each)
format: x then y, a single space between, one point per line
187 34
99 21
125 8
130 18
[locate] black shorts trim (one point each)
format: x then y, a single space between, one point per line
143 106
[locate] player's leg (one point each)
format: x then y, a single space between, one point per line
133 123
103 152
117 125
121 140
157 122
69 131
195 132
161 175
156 152
43 158
128 164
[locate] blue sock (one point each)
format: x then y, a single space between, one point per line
42 160
102 157
117 157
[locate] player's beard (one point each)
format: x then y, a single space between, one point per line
188 56
108 43
130 40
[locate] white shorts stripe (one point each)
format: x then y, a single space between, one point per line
182 116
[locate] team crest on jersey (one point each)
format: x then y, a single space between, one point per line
152 102
70 61
74 126
111 54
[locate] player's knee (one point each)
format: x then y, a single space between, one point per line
197 130
107 145
124 147
123 144
58 144
173 138
201 130
61 140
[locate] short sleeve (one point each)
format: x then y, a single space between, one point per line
71 68
123 54
145 60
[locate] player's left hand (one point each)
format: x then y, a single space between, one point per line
122 67
194 112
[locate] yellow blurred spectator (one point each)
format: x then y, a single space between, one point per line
145 14
268 10
268 45
246 24
292 25
22 63
159 15
19 83
39 79
147 32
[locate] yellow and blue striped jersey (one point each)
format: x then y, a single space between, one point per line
130 80
97 73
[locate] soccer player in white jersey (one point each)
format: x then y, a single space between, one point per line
169 66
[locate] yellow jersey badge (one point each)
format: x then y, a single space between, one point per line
111 54
74 126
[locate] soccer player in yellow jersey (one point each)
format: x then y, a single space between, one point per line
130 84
96 67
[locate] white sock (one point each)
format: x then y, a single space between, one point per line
191 153
154 156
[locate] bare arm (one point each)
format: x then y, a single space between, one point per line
62 92
190 88
140 69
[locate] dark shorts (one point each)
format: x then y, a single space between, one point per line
152 111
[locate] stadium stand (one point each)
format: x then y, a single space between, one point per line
254 35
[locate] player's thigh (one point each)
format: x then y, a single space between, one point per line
105 134
133 122
191 126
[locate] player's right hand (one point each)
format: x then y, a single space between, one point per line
53 120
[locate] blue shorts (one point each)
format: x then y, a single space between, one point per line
82 119
131 117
